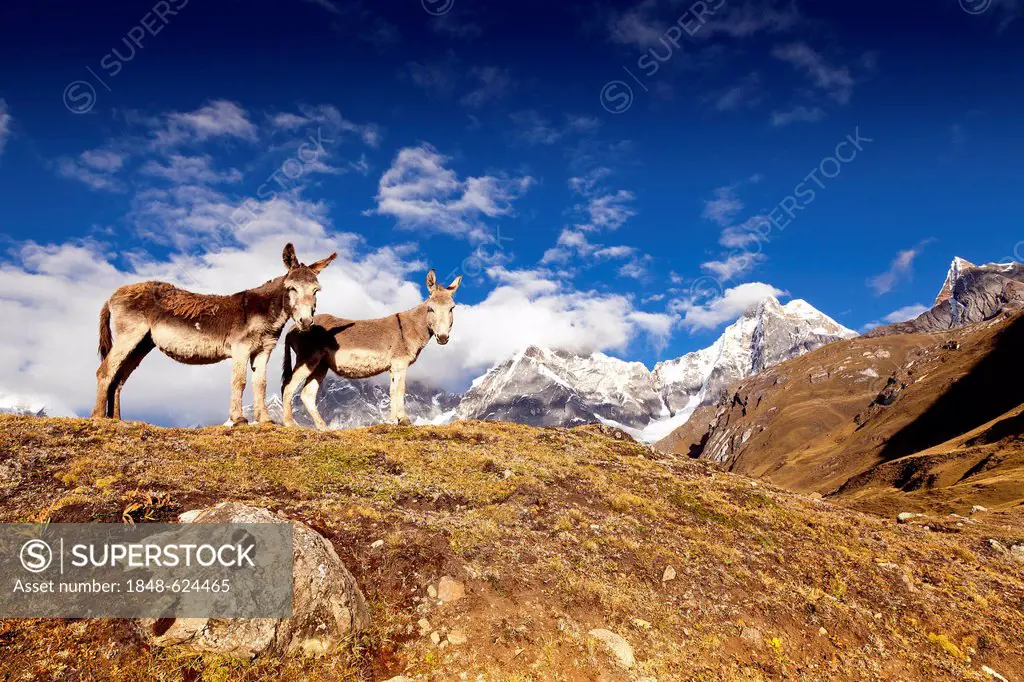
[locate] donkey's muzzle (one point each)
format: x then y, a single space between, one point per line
304 324
442 340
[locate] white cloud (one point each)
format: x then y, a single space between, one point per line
329 117
534 128
751 18
644 26
5 124
799 114
97 168
605 209
219 118
638 27
709 315
634 269
185 169
905 313
722 210
745 94
103 159
493 84
724 207
554 314
746 233
733 265
901 268
836 81
420 191
438 78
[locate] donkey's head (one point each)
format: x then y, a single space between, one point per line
301 287
441 306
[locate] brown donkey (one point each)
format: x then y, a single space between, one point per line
200 329
358 349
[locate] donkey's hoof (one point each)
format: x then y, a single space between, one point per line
241 421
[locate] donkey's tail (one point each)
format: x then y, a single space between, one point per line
106 340
286 369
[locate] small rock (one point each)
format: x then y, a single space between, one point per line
507 474
669 574
457 638
993 674
752 635
978 509
431 591
823 632
905 517
617 646
449 589
641 623
998 546
435 637
377 544
400 678
1017 552
424 626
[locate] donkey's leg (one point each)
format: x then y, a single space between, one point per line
239 358
309 395
130 364
110 368
259 388
398 415
297 379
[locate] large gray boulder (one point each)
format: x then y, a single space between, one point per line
327 605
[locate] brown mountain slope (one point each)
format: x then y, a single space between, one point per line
554 532
936 415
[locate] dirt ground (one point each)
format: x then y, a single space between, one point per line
553 533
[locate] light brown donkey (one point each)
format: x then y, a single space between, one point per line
358 349
200 329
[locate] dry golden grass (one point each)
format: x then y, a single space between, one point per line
554 532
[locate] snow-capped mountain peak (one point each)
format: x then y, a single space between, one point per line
956 269
549 387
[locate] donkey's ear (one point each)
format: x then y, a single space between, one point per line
431 280
318 266
454 286
289 257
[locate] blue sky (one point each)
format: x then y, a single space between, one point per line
493 139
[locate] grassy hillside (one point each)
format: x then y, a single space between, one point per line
948 434
553 532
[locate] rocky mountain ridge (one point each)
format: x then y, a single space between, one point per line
971 293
